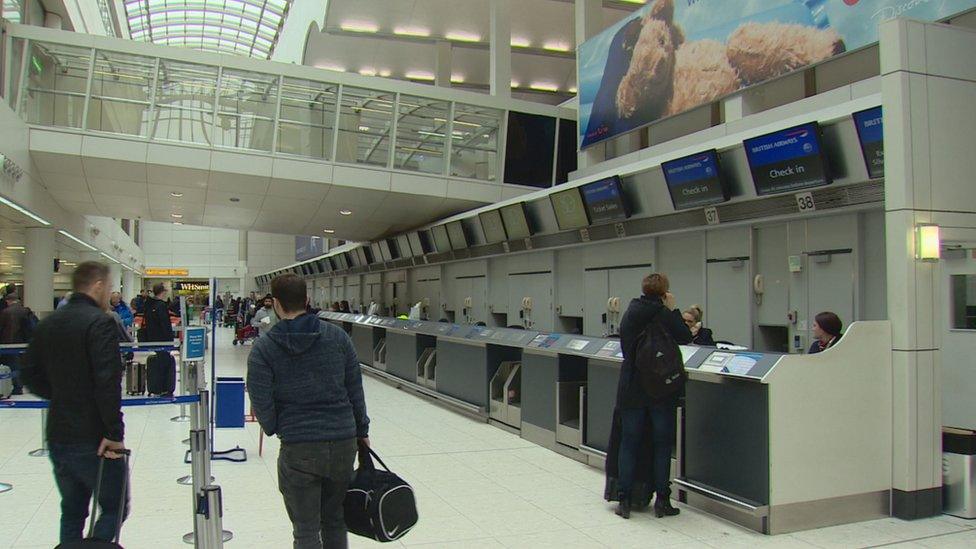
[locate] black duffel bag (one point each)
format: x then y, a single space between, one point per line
379 504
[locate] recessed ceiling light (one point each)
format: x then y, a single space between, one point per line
336 68
328 231
176 195
420 75
345 212
461 36
235 199
15 247
573 89
556 46
543 86
358 26
457 78
177 223
176 216
385 73
515 83
364 128
411 31
520 42
367 71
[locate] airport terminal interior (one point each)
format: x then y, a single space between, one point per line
474 193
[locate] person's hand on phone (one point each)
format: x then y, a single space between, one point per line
669 301
110 449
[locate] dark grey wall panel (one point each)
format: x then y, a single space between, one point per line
362 340
401 356
539 375
601 397
462 372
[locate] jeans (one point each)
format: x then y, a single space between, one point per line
312 479
663 417
76 472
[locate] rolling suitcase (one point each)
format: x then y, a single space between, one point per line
89 542
161 374
135 378
6 381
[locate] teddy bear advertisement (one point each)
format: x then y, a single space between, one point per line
673 55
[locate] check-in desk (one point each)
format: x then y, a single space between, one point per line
775 442
781 443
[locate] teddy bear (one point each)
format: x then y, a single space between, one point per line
668 75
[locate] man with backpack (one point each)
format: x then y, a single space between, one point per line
16 326
651 380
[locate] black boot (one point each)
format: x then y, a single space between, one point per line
663 507
623 508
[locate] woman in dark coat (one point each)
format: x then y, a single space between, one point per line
643 431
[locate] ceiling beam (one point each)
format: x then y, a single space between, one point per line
432 40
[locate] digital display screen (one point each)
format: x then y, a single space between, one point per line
441 242
418 241
787 160
569 209
695 181
394 248
515 221
455 231
403 243
334 264
361 257
346 258
870 131
374 250
604 200
385 250
491 224
324 265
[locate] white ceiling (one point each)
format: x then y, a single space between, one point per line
133 190
537 23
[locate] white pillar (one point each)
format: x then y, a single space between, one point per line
501 49
442 74
129 290
115 275
39 270
589 21
53 21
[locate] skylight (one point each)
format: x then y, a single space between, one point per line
240 27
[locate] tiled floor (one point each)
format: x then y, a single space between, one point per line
477 487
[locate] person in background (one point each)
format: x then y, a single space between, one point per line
640 416
826 332
265 318
157 326
64 300
10 289
693 319
74 362
139 301
344 307
125 314
306 387
219 303
336 308
16 326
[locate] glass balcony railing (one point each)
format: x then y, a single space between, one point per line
161 96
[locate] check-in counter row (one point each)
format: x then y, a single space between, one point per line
775 442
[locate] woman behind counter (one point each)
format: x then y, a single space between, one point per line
693 319
826 332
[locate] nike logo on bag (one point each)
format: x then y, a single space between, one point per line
393 532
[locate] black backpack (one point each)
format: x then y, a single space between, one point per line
658 362
379 504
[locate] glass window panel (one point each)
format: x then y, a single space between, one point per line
474 146
246 110
13 10
185 94
306 124
365 118
120 95
16 69
57 78
421 134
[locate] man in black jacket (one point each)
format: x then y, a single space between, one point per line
73 360
636 409
15 327
156 321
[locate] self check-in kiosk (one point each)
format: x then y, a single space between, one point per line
774 442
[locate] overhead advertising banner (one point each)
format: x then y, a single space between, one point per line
673 55
307 247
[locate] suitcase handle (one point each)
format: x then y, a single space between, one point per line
125 452
366 456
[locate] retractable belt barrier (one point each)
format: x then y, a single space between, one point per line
207 502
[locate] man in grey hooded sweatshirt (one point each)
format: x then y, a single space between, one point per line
306 386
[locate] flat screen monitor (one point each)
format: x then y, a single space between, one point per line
350 259
871 135
605 201
334 263
492 226
385 250
324 266
516 222
787 160
569 209
529 146
417 242
367 255
403 243
695 181
455 232
441 241
374 249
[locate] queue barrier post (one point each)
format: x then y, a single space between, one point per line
43 450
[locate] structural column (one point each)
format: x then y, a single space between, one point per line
129 290
442 76
589 21
115 274
39 270
928 116
501 49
